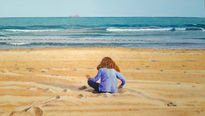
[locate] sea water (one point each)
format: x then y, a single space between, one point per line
123 32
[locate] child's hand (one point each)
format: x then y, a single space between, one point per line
87 76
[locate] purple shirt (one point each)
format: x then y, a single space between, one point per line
108 80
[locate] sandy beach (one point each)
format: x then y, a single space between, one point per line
52 82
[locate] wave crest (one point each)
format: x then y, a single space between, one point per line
137 29
18 43
152 29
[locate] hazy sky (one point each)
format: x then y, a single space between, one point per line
61 8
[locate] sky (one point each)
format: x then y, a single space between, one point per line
102 8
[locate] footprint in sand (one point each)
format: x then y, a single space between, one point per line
178 83
44 70
193 86
170 104
66 90
81 96
33 111
30 69
154 61
147 66
83 87
137 68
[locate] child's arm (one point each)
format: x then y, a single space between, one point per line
97 77
121 77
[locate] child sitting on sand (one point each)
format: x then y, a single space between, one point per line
108 71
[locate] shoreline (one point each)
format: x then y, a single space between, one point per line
78 48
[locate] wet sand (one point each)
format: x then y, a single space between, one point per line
52 82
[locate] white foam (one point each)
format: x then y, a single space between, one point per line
19 43
136 30
180 29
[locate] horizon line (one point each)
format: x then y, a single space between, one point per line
101 16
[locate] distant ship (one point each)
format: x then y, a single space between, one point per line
75 15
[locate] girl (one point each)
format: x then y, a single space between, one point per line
108 71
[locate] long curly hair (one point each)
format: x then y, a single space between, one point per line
107 62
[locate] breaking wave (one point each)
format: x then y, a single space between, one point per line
112 29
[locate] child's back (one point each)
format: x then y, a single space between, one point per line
108 80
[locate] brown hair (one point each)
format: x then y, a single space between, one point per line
107 62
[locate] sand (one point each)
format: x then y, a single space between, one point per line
52 82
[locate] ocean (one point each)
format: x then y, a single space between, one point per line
122 32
